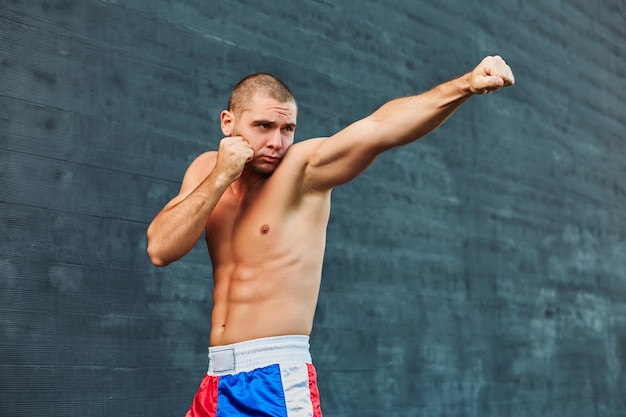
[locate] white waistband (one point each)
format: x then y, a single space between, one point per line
258 353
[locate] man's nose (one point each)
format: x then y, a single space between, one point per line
275 141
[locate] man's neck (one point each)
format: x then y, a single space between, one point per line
246 182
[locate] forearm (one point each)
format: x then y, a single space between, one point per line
407 119
176 229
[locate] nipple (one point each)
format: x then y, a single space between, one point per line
265 229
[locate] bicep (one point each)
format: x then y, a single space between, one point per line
342 157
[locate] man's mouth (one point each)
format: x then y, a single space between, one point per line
271 159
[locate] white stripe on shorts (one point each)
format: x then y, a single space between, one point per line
295 378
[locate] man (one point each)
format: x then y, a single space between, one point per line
264 206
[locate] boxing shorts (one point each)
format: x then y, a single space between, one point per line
271 376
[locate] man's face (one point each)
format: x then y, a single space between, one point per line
268 126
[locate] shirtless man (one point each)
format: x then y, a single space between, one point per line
264 206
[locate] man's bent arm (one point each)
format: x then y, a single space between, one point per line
177 228
340 158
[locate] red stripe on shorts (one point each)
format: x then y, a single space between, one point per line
205 401
315 395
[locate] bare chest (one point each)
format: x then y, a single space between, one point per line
249 227
267 226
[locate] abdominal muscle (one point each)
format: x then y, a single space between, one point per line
275 298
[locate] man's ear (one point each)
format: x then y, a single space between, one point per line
227 120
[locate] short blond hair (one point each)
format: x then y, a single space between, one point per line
255 83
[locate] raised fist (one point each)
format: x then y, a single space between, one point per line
490 75
233 154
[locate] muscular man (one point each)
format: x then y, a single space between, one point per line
263 203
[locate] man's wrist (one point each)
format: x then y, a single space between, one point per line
221 180
464 84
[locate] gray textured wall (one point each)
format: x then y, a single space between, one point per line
480 272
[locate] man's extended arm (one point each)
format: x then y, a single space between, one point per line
340 158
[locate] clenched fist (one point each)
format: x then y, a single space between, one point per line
233 154
490 75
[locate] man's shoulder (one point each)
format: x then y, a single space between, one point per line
294 167
304 149
202 165
206 159
308 143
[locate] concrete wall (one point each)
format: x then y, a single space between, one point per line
480 272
